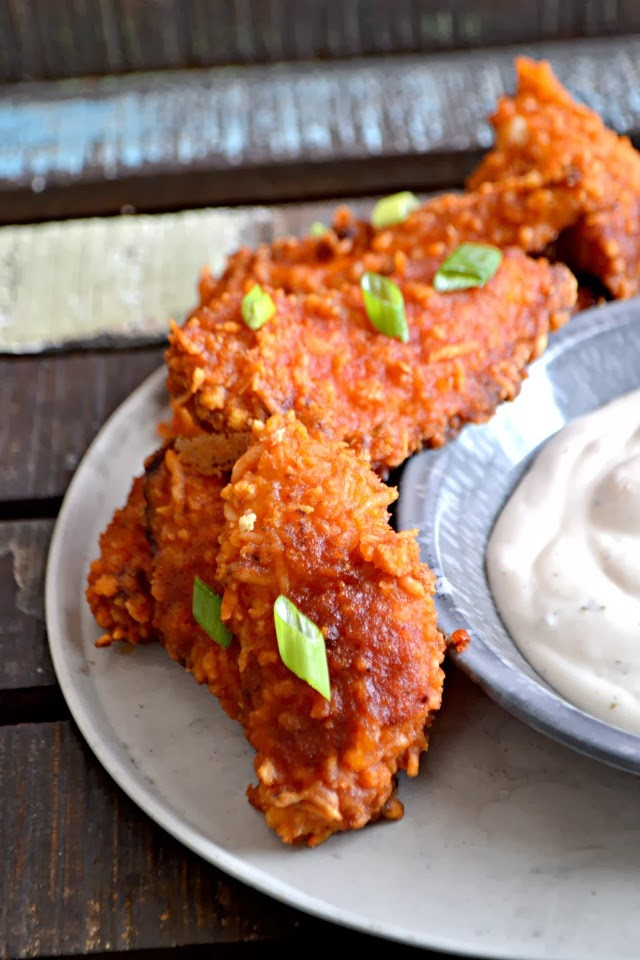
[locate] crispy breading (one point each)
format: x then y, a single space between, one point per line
185 517
524 212
321 357
542 129
320 535
140 587
118 588
309 519
606 243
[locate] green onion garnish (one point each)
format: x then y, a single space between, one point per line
257 307
470 265
301 646
393 209
318 229
384 304
206 605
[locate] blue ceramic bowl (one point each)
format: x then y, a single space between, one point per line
454 496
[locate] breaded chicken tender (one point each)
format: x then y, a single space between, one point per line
185 519
308 519
320 357
140 587
543 130
119 584
523 212
606 243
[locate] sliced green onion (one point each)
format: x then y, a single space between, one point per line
301 646
318 229
470 265
393 209
257 307
205 605
384 304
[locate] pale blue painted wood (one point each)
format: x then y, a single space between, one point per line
264 116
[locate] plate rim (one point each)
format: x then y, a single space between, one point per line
530 702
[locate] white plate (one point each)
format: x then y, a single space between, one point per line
511 846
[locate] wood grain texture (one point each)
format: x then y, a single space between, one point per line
263 118
61 38
179 190
83 871
24 655
53 407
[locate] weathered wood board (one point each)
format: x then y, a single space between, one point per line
265 118
82 870
63 38
52 409
24 655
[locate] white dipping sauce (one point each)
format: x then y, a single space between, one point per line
564 563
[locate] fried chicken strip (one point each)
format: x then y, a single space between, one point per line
185 517
321 357
119 583
543 130
524 211
308 519
140 587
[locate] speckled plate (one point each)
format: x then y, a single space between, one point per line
511 846
454 496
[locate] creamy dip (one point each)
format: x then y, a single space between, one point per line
564 563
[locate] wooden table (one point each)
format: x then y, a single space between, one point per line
83 871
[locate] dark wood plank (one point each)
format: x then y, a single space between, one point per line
24 655
270 124
84 871
61 38
52 409
151 193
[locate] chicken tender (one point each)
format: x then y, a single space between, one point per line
543 130
308 519
140 587
320 535
119 590
523 212
606 244
185 519
321 357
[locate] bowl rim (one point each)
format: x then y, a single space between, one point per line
550 713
